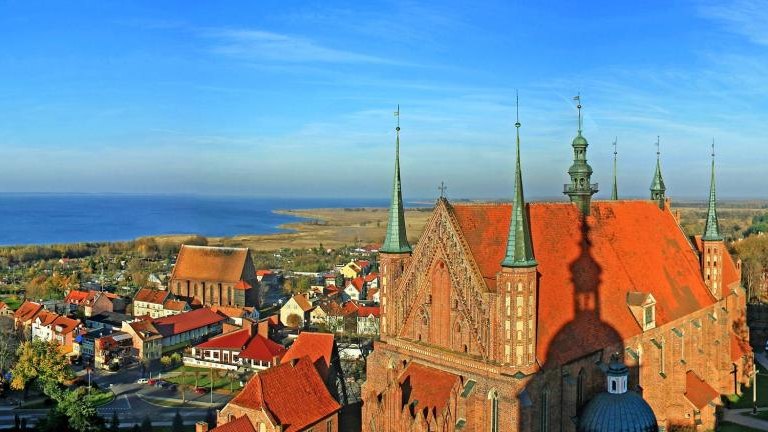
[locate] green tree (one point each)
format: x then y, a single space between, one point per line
178 423
42 361
176 358
81 413
165 361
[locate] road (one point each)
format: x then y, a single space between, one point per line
133 402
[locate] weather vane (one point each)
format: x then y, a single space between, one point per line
658 147
397 114
713 148
577 98
442 188
615 142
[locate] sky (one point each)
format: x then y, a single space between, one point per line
296 98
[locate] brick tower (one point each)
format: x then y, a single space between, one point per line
395 253
517 285
712 244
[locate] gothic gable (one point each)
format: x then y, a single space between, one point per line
442 297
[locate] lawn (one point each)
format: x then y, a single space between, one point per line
745 401
12 300
100 398
219 382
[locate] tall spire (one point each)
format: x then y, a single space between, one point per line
519 246
712 228
580 190
658 190
615 191
396 240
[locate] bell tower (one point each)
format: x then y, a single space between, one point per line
517 284
580 189
658 189
395 253
712 244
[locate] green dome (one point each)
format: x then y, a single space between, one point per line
579 140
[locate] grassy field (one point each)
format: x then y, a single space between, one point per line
204 378
730 427
745 401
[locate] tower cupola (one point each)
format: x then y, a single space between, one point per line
580 189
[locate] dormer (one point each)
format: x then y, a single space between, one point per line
643 308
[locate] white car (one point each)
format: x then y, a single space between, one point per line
142 381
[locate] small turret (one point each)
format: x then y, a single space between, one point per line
658 190
580 190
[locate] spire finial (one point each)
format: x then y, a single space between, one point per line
396 240
712 226
519 246
442 188
658 147
615 191
658 189
577 98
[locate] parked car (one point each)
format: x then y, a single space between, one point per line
200 390
142 381
151 382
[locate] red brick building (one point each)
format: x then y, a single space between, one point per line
286 398
505 317
215 276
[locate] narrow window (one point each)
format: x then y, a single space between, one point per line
544 413
494 397
580 389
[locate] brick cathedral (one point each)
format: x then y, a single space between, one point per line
505 317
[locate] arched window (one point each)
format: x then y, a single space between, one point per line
544 411
580 389
493 396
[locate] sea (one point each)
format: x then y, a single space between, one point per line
74 218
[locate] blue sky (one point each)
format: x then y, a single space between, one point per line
287 98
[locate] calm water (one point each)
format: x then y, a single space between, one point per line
58 218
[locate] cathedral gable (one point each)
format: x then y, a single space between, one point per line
443 298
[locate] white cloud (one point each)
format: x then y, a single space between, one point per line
748 18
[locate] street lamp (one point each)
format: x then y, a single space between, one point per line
88 370
754 391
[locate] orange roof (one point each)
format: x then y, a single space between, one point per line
76 297
229 311
66 325
365 311
294 394
317 346
236 339
430 387
371 293
371 276
176 324
240 424
739 348
698 391
27 311
211 263
149 295
302 301
46 317
261 348
145 329
175 305
358 283
623 246
349 308
3 305
242 285
263 272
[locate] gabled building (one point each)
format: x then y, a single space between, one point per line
355 289
150 302
295 313
215 276
290 397
322 350
368 320
243 348
25 315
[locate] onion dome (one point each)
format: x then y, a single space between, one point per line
617 409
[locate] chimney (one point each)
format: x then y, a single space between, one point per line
263 327
201 426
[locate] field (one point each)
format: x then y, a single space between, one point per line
338 227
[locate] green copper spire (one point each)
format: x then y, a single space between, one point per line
396 240
519 247
615 191
658 190
712 228
580 190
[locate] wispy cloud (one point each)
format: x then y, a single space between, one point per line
264 45
745 17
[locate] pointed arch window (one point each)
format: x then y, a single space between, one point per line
493 396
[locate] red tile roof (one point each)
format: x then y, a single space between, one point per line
263 349
302 301
177 324
65 325
371 276
294 394
317 346
242 285
145 329
430 387
76 297
364 311
149 295
240 424
698 391
175 305
358 283
372 293
622 246
229 311
27 311
263 272
46 317
3 305
211 263
235 340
